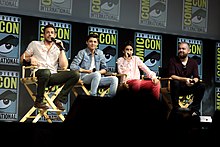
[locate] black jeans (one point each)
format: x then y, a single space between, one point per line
178 88
45 79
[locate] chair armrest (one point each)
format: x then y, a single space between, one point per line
115 74
121 75
29 67
110 74
165 79
63 70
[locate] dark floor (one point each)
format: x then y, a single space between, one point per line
122 120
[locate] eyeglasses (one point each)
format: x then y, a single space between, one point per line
129 49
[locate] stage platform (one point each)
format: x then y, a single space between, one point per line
123 133
121 120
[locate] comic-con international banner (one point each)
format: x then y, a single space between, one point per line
9 95
196 51
10 27
153 13
9 3
217 63
53 114
105 9
63 33
63 7
217 98
149 48
195 16
108 43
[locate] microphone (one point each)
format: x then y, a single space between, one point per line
128 55
57 44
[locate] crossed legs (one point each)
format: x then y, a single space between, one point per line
45 79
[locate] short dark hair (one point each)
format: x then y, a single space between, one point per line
92 36
184 43
129 42
49 26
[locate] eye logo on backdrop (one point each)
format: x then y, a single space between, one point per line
9 40
108 40
153 13
195 16
109 52
105 9
9 95
56 6
149 48
7 44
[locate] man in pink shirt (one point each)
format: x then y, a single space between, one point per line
48 56
130 66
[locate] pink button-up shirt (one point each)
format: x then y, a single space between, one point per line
131 68
47 59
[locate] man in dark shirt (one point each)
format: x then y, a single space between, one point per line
185 79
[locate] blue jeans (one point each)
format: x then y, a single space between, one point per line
96 80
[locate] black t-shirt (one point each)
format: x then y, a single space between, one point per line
190 70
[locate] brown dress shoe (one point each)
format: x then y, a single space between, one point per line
40 105
59 105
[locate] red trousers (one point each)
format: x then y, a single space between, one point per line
137 85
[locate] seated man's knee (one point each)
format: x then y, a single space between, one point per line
114 79
75 74
43 72
97 75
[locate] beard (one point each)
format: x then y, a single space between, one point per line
182 56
